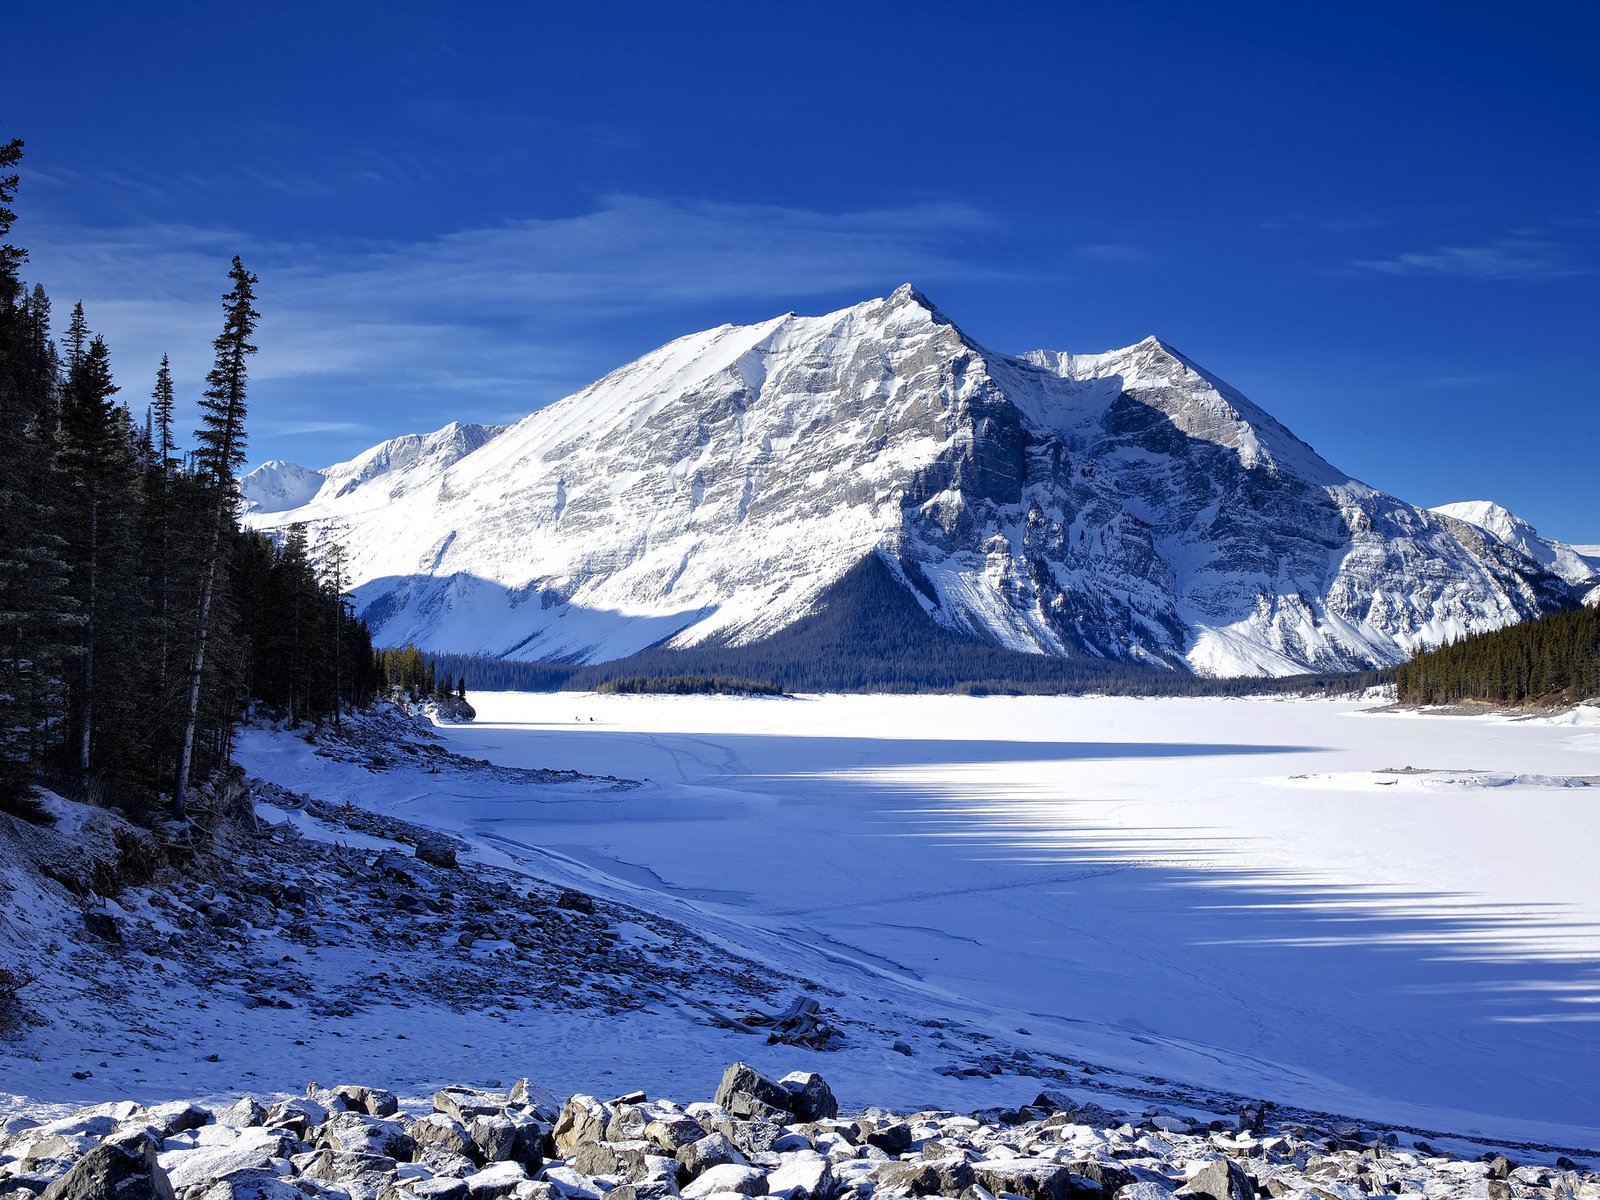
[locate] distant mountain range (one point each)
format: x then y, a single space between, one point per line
1125 507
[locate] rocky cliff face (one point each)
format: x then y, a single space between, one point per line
1126 506
1579 566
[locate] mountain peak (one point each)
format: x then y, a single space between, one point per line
909 295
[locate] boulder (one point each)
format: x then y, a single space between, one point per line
375 1102
933 1177
300 1116
575 901
243 1113
729 1177
357 1133
810 1097
746 1092
435 850
583 1119
803 1175
436 1131
1222 1179
425 1189
121 1170
673 1133
495 1181
1110 1178
466 1103
255 1183
713 1150
168 1119
892 1137
611 1158
1032 1179
645 1189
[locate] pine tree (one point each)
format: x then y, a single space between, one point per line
219 454
36 613
94 477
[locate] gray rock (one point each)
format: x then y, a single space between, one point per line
628 1123
363 1175
466 1103
425 1189
299 1116
125 1170
582 1119
254 1183
1033 1179
168 1119
746 1092
645 1189
495 1181
1223 1179
713 1150
357 1133
810 1097
244 1113
729 1177
674 1133
1110 1178
892 1137
934 1177
803 1175
436 1131
375 1102
436 850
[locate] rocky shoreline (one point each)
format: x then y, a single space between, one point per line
757 1137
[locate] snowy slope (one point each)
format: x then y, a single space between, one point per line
375 476
278 486
1124 506
1578 565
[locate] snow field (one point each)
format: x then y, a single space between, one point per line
1235 893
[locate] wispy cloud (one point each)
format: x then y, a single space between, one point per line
507 311
1524 255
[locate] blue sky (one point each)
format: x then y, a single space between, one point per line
1381 222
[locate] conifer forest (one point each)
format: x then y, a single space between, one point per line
138 619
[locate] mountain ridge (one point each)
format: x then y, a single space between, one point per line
1126 506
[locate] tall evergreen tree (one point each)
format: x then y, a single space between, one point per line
94 482
219 454
36 615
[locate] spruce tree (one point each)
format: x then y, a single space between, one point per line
94 479
219 454
36 612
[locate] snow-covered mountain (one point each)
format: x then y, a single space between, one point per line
1126 506
388 470
1578 565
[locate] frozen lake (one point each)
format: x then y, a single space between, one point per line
1250 894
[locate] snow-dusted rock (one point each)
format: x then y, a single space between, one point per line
803 1175
729 1177
810 1097
497 1180
116 1170
582 1119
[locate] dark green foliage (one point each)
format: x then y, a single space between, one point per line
1553 660
110 550
689 685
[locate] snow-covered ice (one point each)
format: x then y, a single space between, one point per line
1250 894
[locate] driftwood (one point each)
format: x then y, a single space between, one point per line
801 1024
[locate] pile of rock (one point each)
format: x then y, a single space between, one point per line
759 1137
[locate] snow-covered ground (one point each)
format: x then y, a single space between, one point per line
1245 894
